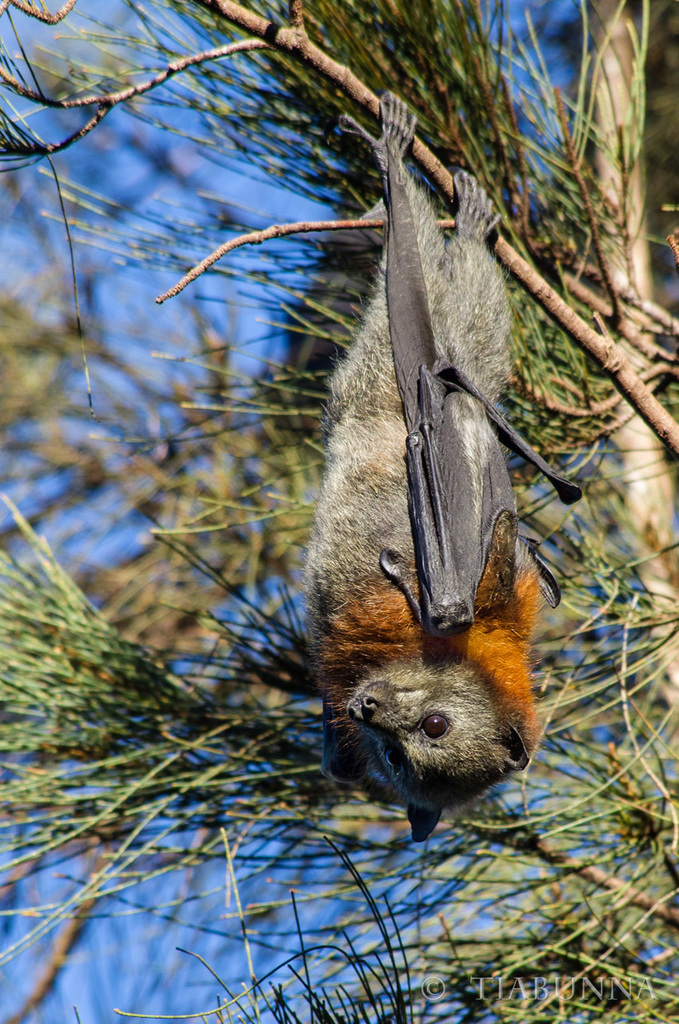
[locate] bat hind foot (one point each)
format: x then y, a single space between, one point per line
398 130
475 215
398 124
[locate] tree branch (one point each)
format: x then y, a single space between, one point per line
627 327
106 101
605 352
574 164
602 408
111 99
673 242
296 13
275 231
593 874
37 13
63 945
296 42
667 323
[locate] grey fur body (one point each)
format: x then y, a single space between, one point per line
377 715
363 506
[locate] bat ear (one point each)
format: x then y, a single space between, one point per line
497 582
549 588
517 755
422 821
340 762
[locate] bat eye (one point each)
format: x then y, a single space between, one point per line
434 726
393 757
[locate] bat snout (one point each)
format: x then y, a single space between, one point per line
362 709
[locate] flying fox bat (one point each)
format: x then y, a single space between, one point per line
421 594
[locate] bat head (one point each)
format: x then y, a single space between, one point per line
436 736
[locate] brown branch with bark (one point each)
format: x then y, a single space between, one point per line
576 169
274 231
106 101
296 13
627 328
673 242
598 409
64 943
599 877
607 353
295 42
37 12
67 939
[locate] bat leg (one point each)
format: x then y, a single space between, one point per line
392 564
348 126
398 124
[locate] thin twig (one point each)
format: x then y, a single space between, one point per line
606 352
625 701
587 201
593 874
627 328
668 323
112 99
40 15
60 950
296 14
108 100
524 199
622 421
596 409
275 231
673 242
491 108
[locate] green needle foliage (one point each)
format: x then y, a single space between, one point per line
159 730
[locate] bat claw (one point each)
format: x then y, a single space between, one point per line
450 616
348 126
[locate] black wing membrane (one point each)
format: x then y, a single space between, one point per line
453 532
410 327
568 492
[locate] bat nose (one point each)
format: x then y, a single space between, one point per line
362 709
449 616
